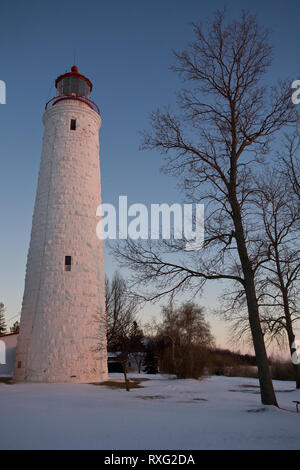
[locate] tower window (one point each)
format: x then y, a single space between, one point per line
68 263
73 125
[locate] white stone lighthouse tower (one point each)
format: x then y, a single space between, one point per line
63 332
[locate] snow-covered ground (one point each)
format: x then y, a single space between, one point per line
215 413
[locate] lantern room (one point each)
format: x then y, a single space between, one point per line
73 86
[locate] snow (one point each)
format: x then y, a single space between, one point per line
214 413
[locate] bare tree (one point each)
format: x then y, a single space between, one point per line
120 310
192 325
122 329
169 330
278 277
128 341
225 125
289 161
187 334
281 284
234 310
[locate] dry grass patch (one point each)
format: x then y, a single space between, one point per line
133 383
6 380
255 392
152 397
257 410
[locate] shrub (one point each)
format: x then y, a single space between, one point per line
282 370
188 361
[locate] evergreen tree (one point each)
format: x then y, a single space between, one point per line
15 328
137 348
136 337
150 361
2 319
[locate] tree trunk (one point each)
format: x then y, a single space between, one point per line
174 360
291 339
288 318
265 380
124 365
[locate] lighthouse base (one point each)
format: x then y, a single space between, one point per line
91 377
69 361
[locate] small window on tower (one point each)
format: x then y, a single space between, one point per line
73 125
68 263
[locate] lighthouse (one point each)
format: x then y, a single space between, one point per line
63 328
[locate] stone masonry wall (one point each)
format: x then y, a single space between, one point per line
62 335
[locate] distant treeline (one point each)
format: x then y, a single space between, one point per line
234 357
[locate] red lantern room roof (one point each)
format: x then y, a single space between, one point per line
74 73
73 86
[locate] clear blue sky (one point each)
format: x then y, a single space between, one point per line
124 47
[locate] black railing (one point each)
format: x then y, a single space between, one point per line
56 99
